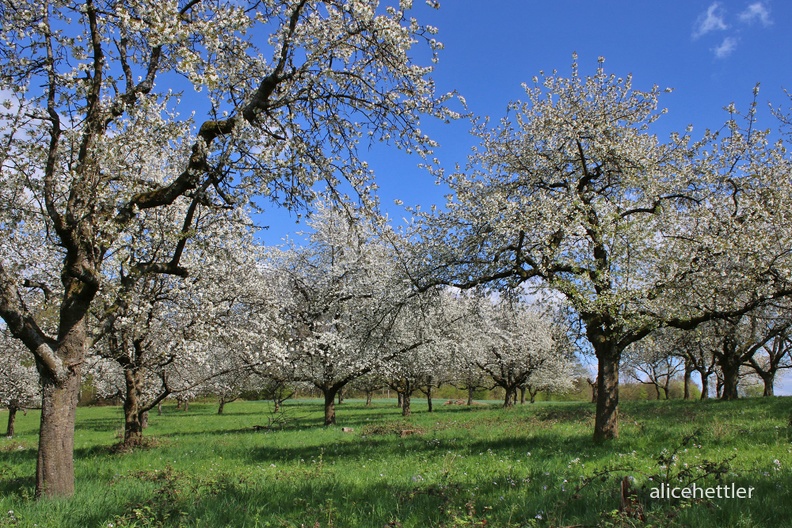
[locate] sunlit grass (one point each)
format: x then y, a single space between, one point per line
458 466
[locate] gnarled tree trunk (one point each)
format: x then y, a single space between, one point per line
704 374
133 427
769 384
730 366
511 397
406 410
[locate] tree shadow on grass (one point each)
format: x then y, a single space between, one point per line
314 500
286 422
17 486
423 443
100 425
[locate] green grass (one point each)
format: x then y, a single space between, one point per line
480 466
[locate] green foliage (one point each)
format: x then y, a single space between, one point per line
531 466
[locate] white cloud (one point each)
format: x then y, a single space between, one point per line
710 21
756 11
726 48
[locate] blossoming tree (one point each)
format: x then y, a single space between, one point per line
19 385
344 298
113 108
574 191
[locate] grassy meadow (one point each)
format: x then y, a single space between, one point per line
534 465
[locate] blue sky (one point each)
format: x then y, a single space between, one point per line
710 53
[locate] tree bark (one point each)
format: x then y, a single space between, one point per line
329 405
593 384
369 395
606 422
133 428
406 410
769 384
12 410
470 396
704 383
429 397
221 406
55 462
510 398
731 378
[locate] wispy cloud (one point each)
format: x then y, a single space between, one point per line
710 21
716 19
725 48
756 11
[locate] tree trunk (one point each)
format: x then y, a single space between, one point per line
688 372
769 384
221 406
731 378
511 397
470 395
399 398
593 385
369 395
159 409
533 395
704 384
429 397
329 406
12 410
340 396
133 428
657 390
606 422
55 462
522 395
60 390
406 410
144 419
